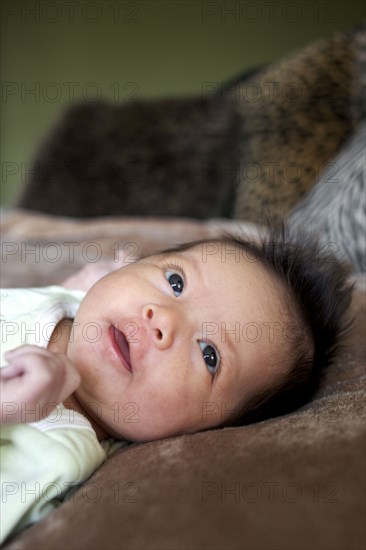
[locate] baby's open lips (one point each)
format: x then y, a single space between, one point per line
121 345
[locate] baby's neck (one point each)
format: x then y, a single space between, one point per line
58 344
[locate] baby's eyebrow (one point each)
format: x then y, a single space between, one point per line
194 264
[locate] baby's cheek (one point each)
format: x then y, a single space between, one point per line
169 407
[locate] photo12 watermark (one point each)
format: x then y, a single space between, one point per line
56 172
68 92
252 332
53 252
238 252
91 492
289 173
71 11
51 414
271 492
39 333
253 92
271 12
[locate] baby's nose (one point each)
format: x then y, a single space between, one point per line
162 321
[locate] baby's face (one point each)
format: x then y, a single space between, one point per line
201 335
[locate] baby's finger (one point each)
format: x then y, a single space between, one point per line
11 371
24 349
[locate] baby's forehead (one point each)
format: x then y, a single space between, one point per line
166 253
221 259
267 291
207 253
181 249
220 256
220 253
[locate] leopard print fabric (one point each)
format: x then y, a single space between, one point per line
310 102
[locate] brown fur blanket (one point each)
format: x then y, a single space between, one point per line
292 482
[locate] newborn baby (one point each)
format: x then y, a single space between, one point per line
211 333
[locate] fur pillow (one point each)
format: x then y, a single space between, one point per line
302 110
335 208
257 146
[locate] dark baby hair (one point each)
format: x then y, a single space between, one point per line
317 291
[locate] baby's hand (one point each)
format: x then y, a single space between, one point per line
34 382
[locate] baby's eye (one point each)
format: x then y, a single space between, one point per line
175 281
210 357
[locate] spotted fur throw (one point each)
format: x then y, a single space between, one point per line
310 103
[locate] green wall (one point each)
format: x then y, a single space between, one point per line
56 52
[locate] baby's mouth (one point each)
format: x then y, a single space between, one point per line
121 346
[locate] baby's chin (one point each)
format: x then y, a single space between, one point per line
140 433
143 434
142 425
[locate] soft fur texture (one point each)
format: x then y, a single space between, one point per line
335 208
161 158
258 145
310 102
292 482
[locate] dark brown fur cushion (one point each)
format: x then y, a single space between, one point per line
258 145
158 158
